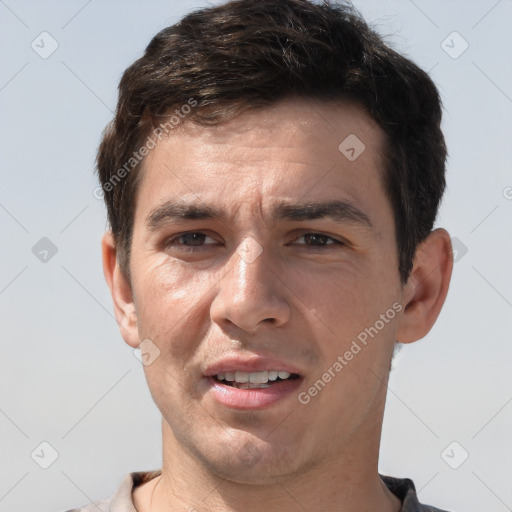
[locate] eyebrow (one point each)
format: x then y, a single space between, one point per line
336 210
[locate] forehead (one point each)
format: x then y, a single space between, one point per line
294 149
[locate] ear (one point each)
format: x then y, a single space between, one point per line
427 286
121 290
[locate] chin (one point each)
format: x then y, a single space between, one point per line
253 461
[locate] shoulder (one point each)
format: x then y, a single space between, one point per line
405 491
97 506
121 500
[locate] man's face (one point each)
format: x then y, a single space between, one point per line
268 286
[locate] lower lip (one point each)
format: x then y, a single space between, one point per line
252 398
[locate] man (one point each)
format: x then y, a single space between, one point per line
272 176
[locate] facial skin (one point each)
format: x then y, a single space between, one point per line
302 301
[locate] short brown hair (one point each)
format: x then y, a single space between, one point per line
248 54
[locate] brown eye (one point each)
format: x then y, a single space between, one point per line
317 240
191 239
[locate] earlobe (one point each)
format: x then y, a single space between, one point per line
427 286
121 291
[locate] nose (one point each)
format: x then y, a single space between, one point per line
250 294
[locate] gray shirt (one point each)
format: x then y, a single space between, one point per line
122 501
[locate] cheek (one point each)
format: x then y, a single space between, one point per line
337 295
354 304
171 303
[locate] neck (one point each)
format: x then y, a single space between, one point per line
348 481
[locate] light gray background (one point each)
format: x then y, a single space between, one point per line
66 376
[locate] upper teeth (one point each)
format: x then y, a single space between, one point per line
252 377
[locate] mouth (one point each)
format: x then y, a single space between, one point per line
254 380
252 384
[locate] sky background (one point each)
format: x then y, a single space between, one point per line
66 376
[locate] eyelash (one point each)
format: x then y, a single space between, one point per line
333 241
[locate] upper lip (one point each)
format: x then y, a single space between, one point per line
249 364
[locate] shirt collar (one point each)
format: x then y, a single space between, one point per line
402 488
